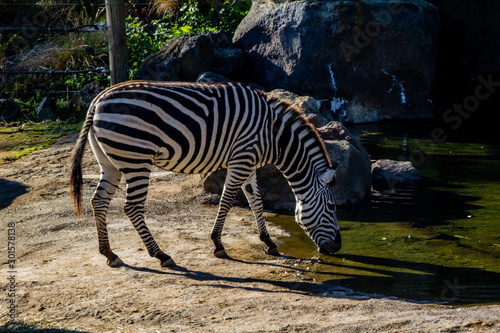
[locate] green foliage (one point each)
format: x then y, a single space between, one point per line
29 106
142 41
146 39
227 17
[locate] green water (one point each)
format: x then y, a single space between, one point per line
436 241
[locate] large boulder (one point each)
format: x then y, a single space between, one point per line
209 77
185 57
89 92
366 61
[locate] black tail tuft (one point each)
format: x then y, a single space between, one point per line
75 171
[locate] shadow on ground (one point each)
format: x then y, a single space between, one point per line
22 327
9 191
383 278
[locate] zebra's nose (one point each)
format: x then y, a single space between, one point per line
329 247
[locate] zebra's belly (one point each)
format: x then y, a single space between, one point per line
191 163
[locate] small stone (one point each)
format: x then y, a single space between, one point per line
389 173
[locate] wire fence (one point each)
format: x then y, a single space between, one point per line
37 27
27 28
88 28
77 4
52 72
81 28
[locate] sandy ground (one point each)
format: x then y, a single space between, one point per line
63 282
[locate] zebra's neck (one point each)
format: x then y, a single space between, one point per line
301 153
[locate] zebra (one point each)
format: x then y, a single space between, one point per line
199 128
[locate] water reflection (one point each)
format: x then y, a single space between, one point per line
430 202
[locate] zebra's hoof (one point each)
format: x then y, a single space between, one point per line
273 251
168 263
221 254
116 262
165 260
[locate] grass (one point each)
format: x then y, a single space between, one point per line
16 142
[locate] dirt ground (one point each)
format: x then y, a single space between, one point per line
63 282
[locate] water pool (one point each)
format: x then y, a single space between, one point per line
437 240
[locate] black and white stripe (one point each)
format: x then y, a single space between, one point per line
199 128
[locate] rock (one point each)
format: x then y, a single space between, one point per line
210 77
306 104
366 61
9 110
46 110
185 57
353 174
392 174
89 92
273 187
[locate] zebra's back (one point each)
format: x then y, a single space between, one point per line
182 127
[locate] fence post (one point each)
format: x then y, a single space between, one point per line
117 40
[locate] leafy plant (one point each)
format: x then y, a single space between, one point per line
226 16
193 17
29 106
142 41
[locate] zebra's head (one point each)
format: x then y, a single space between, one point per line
316 213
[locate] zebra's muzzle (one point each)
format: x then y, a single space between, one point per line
329 247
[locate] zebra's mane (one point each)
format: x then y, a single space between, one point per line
285 107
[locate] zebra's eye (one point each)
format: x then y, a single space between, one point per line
330 205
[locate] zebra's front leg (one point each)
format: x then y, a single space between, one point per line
231 185
225 205
251 190
137 188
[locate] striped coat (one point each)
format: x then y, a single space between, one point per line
199 128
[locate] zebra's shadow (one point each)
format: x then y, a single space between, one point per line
264 285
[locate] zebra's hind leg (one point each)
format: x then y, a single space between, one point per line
110 179
234 180
137 189
251 190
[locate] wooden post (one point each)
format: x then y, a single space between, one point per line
117 40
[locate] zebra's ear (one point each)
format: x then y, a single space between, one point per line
328 176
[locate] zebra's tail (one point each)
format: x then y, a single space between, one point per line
75 171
